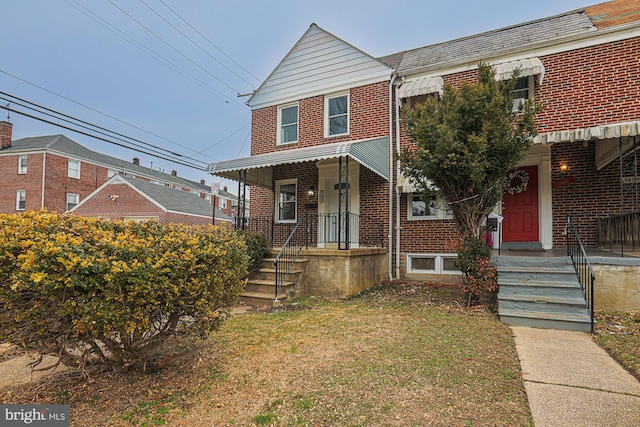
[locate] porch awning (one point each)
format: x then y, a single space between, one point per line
613 130
421 87
370 153
405 185
527 67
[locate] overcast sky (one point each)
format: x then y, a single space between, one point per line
91 59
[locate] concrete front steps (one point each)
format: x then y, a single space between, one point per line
541 292
260 289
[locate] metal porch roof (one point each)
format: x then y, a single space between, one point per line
371 153
421 87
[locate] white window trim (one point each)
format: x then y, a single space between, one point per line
23 170
280 183
517 101
439 263
441 210
326 113
222 204
140 218
77 200
69 168
279 129
18 194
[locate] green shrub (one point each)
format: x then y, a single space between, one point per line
111 292
478 274
258 247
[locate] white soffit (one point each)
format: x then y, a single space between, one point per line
421 87
527 67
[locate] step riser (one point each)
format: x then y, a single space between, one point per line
546 324
541 307
258 301
533 277
271 276
539 291
267 289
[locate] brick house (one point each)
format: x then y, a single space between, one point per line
126 198
56 173
326 124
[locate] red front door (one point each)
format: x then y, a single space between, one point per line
520 206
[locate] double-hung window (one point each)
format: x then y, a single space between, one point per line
74 168
22 164
286 202
336 110
21 200
72 200
522 91
288 124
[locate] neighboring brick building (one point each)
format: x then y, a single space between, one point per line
56 173
328 104
130 199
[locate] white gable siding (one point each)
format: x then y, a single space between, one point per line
319 63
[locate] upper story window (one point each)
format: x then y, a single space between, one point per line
74 169
21 200
336 115
522 91
288 124
286 202
428 207
22 164
72 200
223 203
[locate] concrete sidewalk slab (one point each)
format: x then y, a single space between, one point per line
571 381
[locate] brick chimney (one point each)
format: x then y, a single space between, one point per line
174 172
224 188
136 161
6 133
202 181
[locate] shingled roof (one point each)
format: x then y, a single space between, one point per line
68 147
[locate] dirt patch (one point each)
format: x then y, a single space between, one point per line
619 334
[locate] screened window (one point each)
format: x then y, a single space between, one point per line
74 168
337 115
22 164
439 263
72 200
286 203
21 199
288 124
522 91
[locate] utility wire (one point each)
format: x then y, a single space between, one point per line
101 138
210 42
196 44
153 54
90 126
172 47
100 112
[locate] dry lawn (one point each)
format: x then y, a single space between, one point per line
619 335
400 355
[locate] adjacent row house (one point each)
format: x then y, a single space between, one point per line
327 122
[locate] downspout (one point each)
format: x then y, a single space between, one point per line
398 192
44 172
390 254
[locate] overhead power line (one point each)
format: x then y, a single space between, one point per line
90 129
164 61
210 42
196 44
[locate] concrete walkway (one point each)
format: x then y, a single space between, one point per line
571 381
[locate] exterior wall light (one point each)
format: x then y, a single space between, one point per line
311 192
563 167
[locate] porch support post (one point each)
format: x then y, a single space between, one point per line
244 195
238 209
343 203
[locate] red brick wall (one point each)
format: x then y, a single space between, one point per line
11 182
368 118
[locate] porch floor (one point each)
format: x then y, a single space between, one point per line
560 252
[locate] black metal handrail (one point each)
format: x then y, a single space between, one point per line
619 231
286 258
578 255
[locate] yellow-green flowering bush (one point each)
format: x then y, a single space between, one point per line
109 292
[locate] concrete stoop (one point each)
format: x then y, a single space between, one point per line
260 289
541 292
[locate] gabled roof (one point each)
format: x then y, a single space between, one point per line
496 43
68 147
168 199
319 63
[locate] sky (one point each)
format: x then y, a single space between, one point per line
168 73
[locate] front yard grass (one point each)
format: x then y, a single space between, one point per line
405 355
619 334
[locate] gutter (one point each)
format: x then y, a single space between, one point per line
398 194
390 254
